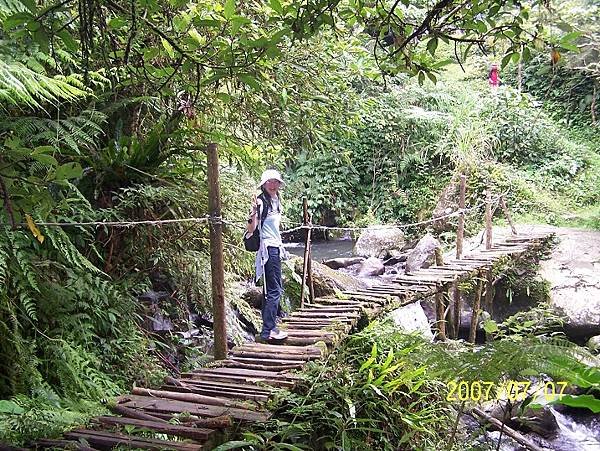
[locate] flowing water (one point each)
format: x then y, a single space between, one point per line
323 250
577 432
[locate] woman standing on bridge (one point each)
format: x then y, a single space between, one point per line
268 256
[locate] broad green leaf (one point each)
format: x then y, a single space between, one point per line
570 47
45 159
229 9
197 36
432 77
237 22
16 20
490 326
68 171
506 59
117 22
585 401
432 45
41 37
70 43
250 81
276 6
10 407
207 23
233 445
570 37
167 46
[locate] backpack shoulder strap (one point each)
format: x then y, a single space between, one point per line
264 210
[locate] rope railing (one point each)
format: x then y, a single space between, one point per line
241 225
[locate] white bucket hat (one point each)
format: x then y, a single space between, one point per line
269 174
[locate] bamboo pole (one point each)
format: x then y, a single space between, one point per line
476 308
216 253
488 219
460 233
508 216
306 251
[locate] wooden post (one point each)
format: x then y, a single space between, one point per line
440 306
460 232
508 216
440 315
216 252
306 251
457 307
489 291
488 219
476 308
311 287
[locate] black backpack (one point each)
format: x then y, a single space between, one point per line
252 243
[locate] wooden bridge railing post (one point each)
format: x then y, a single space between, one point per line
306 262
217 271
476 308
440 306
460 234
488 219
508 216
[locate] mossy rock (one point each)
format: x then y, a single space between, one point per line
326 281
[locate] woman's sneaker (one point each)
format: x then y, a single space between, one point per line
277 334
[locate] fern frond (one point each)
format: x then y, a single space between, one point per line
62 243
10 7
20 86
75 133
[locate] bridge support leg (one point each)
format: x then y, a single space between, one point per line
476 308
441 315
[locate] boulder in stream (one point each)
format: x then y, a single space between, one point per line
380 243
343 262
412 318
372 266
326 280
423 255
594 344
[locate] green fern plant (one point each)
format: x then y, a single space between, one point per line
22 87
74 134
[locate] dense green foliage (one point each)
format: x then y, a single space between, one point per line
105 113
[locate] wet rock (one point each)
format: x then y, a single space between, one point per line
594 344
423 255
337 263
541 421
253 296
573 271
326 280
411 318
395 260
380 243
372 266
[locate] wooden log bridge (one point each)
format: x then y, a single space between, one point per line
194 411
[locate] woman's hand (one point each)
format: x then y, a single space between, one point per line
253 208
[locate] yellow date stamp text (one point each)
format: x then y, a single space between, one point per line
462 390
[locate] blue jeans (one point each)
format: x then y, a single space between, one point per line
273 290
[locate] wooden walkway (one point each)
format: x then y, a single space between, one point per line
207 401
